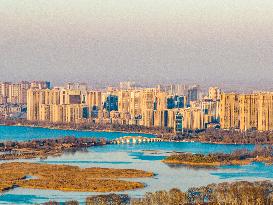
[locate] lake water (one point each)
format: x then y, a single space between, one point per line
146 156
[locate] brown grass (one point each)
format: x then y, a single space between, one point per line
68 178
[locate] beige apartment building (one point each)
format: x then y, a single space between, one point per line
54 105
192 118
14 93
147 107
265 112
94 99
247 111
229 110
214 93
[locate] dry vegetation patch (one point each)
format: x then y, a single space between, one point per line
238 157
68 178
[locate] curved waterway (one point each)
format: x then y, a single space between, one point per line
146 156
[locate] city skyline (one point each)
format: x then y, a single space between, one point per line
143 41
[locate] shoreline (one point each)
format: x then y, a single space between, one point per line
209 164
157 135
247 161
74 129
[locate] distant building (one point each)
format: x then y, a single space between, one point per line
111 103
193 94
40 84
229 111
127 85
214 93
247 111
55 105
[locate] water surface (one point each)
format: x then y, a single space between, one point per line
146 156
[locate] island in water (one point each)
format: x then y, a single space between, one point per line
68 178
42 148
238 157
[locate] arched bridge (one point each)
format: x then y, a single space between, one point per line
134 140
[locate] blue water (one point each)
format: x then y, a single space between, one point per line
146 156
21 133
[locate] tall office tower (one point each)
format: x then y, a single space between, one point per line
124 101
147 106
265 111
229 110
40 84
248 113
127 85
214 93
33 104
193 94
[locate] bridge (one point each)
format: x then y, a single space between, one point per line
134 140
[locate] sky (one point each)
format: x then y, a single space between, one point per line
107 41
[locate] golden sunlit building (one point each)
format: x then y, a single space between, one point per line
214 93
55 105
94 99
124 100
265 111
33 104
147 107
192 118
229 110
135 104
248 113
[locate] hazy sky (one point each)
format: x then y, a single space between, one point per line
141 40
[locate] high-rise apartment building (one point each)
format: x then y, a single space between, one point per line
248 111
94 100
147 106
124 101
214 93
210 109
192 118
40 84
55 105
135 106
265 111
193 94
229 110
